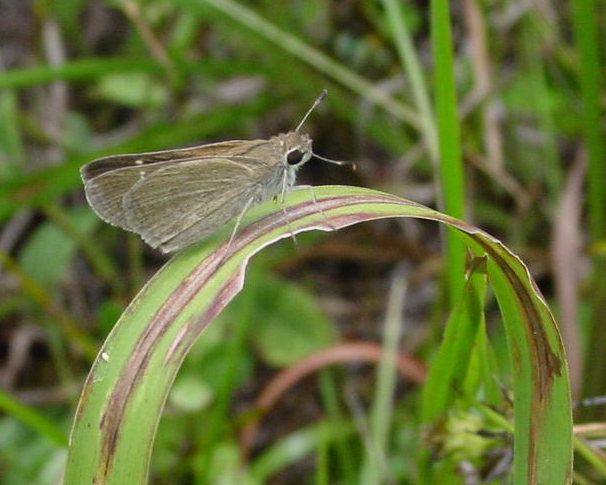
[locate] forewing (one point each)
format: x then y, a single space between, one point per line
115 162
107 180
185 201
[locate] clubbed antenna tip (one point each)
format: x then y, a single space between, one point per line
313 106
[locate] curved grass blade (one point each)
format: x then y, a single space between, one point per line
124 395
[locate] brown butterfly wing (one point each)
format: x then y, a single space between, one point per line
114 162
185 201
108 179
105 192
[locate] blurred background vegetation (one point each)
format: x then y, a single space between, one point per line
81 79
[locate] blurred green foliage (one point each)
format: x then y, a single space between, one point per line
80 79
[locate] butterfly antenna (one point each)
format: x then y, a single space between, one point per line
336 162
313 106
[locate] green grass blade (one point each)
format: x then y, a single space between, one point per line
381 416
585 30
74 70
448 371
584 16
41 424
124 395
521 319
412 66
451 169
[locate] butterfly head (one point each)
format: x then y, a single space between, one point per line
296 148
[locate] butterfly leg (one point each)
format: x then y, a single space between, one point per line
315 201
292 234
284 211
238 221
284 188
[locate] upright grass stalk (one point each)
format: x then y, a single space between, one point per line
540 103
585 31
451 169
381 418
345 458
449 370
412 67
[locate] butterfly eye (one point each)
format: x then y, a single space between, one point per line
295 157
